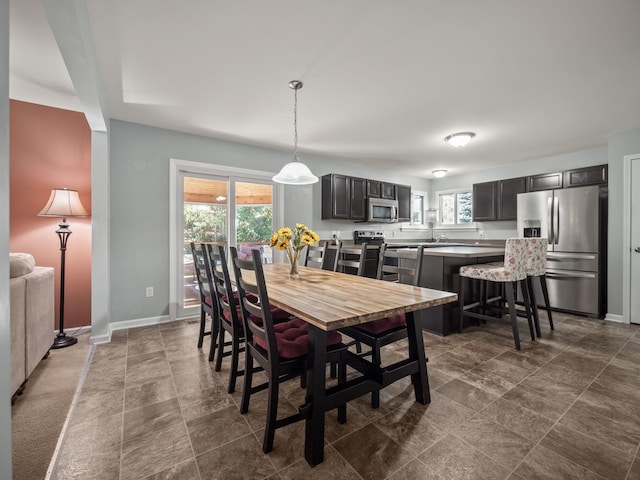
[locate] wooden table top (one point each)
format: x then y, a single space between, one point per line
331 300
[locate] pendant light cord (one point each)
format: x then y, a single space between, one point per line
295 125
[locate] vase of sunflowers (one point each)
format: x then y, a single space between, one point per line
292 241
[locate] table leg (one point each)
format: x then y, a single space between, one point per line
420 379
316 379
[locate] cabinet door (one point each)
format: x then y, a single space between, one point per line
581 177
546 181
358 196
336 196
484 202
389 191
404 202
373 189
508 191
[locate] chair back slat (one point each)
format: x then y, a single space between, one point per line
350 259
256 316
389 267
316 255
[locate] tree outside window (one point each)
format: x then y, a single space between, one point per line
456 208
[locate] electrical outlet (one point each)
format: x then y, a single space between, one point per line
149 292
481 235
337 234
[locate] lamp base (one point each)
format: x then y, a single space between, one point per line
62 341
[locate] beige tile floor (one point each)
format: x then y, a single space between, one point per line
566 406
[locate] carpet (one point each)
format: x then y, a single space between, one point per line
39 414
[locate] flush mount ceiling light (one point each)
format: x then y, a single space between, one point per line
459 139
439 173
296 172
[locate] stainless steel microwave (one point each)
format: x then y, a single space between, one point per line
382 210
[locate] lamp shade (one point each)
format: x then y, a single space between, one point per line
64 203
459 139
295 173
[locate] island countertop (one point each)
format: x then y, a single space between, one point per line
467 251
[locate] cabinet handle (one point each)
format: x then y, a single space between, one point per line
637 249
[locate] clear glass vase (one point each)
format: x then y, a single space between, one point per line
294 256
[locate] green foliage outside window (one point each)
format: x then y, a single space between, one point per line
208 223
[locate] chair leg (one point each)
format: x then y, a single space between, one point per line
527 307
215 327
248 380
461 303
203 322
534 306
512 313
545 295
272 412
220 349
376 361
342 378
233 373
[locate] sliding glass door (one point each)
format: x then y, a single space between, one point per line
219 210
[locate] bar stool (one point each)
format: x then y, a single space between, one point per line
512 271
536 268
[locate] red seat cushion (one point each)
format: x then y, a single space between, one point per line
207 300
278 314
380 326
292 338
228 318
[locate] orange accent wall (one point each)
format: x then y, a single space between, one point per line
51 148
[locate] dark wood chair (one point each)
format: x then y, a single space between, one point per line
393 265
208 305
350 259
316 255
280 349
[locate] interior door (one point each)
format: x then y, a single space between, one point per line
635 241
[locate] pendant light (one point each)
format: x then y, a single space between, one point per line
296 172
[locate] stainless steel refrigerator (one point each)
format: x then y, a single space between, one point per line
574 220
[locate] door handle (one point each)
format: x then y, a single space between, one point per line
637 249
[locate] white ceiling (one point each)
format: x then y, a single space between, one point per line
384 82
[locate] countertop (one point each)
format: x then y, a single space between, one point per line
466 251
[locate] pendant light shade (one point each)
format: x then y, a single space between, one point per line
296 172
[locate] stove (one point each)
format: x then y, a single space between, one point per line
371 237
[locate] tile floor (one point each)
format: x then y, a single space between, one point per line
567 406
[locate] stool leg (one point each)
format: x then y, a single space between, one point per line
508 286
545 295
461 303
534 305
527 306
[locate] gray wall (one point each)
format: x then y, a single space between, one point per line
139 204
621 143
5 327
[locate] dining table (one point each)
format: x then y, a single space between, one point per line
329 300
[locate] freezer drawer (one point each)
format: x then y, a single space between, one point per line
572 291
585 262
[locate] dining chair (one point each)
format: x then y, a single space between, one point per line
393 265
512 271
279 348
350 258
208 305
537 268
316 255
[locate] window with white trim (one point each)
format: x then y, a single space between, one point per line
455 207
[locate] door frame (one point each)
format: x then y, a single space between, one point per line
175 167
626 236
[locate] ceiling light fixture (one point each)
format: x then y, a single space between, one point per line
439 173
459 139
296 172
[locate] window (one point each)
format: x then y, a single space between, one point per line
417 208
455 208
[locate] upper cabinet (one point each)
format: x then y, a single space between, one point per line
546 181
485 202
345 197
580 177
404 202
508 191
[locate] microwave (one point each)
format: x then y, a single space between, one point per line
382 210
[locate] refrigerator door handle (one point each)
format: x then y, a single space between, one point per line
570 275
550 219
556 219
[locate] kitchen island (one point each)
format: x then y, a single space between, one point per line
440 267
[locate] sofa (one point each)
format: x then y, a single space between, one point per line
32 316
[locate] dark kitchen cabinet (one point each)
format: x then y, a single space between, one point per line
403 193
485 207
373 189
580 177
357 206
336 196
546 181
343 197
508 191
389 191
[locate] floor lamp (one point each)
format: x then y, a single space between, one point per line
63 203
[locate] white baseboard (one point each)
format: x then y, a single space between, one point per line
614 318
139 322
